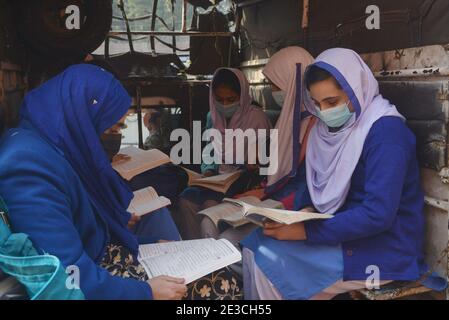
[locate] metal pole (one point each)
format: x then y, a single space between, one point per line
184 16
191 108
305 23
139 115
153 25
106 47
128 29
173 17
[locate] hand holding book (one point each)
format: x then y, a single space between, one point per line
283 232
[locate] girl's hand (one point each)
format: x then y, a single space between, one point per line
133 221
120 157
284 232
167 288
209 173
258 193
164 241
308 209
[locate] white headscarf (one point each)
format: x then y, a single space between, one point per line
332 157
286 70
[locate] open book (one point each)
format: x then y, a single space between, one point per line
139 161
259 214
220 183
233 214
190 260
147 200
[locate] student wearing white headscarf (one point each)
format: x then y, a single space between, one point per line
362 167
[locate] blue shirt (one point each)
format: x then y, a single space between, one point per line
382 222
47 201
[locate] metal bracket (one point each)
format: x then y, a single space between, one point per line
436 203
444 175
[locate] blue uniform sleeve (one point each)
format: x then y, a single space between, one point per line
40 207
385 169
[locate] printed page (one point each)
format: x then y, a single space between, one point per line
221 178
243 202
140 161
224 211
203 257
285 216
192 174
270 203
157 249
147 200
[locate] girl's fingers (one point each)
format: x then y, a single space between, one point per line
269 232
180 281
272 225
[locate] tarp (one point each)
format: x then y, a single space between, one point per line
273 24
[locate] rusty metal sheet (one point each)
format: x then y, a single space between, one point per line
418 100
431 142
424 102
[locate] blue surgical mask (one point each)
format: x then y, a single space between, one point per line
279 97
335 117
227 111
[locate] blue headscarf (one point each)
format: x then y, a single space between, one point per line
71 111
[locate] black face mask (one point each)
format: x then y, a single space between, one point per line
111 143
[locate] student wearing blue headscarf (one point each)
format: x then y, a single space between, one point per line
62 191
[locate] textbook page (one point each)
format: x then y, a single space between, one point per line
284 216
147 200
259 213
190 260
139 161
229 212
219 183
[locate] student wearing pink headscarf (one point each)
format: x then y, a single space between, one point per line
285 73
231 107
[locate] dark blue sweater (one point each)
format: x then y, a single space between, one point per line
382 222
47 201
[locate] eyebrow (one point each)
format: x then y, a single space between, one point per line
330 98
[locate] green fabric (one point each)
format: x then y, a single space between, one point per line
43 276
212 167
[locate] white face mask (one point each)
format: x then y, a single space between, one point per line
279 97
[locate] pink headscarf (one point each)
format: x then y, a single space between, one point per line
286 70
246 117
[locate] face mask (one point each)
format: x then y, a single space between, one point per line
335 117
227 111
279 97
111 143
